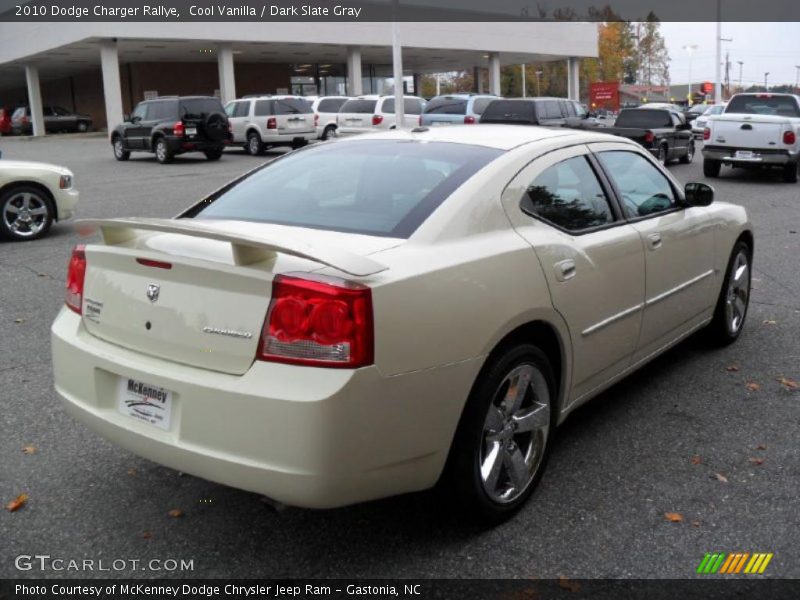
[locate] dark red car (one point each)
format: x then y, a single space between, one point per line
5 120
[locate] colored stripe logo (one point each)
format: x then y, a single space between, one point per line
737 562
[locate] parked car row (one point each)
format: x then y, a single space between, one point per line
57 119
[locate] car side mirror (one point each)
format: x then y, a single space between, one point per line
699 194
591 115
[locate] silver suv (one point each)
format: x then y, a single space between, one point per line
258 122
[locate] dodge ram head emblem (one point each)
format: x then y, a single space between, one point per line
152 291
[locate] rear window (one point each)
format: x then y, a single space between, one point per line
550 109
446 106
643 117
479 105
291 106
330 105
374 187
411 106
358 106
166 109
200 106
763 104
509 111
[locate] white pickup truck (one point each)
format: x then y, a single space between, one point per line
756 130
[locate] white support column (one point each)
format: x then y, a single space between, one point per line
227 77
397 75
112 88
524 83
354 87
494 73
573 80
35 99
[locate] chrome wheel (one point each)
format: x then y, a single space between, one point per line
118 149
254 145
515 433
738 292
662 155
161 151
25 214
690 152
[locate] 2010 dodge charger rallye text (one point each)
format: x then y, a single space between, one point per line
376 315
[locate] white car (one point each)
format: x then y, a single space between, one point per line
326 109
699 124
362 319
364 114
260 122
32 196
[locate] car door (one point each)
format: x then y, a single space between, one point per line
66 120
135 128
680 136
678 242
238 113
592 258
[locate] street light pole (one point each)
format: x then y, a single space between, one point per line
766 89
539 83
718 73
524 91
797 79
690 48
740 74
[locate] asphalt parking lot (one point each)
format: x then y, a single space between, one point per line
708 434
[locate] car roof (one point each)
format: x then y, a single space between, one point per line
501 137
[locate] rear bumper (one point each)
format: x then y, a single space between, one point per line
180 145
760 157
289 138
309 437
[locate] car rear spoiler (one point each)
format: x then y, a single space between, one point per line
247 249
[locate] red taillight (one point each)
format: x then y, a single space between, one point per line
377 119
649 136
323 322
25 120
178 130
706 134
789 138
316 119
469 120
75 275
272 123
154 263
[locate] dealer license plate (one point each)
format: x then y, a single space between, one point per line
744 154
191 131
147 403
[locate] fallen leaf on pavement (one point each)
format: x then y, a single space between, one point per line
131 472
789 383
19 320
761 447
175 513
696 460
720 477
572 586
17 503
147 535
696 524
29 449
731 368
673 517
752 386
770 322
757 461
42 274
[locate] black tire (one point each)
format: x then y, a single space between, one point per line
213 154
215 126
463 480
299 144
34 222
722 331
82 127
328 132
163 154
254 145
711 167
663 154
118 147
790 172
689 156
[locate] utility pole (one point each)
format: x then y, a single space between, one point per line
690 48
539 83
717 74
740 75
524 91
797 79
766 89
727 74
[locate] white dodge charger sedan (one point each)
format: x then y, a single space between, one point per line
379 314
32 197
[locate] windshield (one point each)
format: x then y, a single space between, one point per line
763 104
375 187
643 117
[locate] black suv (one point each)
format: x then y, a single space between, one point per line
173 125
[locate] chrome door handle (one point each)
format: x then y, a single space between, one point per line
654 239
565 269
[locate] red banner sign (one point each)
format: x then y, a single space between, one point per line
604 95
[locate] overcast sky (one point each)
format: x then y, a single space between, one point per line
773 47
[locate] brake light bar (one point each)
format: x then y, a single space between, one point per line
76 272
318 321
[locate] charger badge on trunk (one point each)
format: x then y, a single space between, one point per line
153 289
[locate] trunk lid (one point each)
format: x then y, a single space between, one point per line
748 131
193 293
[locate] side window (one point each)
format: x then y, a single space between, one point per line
331 105
388 106
551 109
263 108
569 109
644 190
139 112
230 107
412 106
676 120
568 195
242 109
480 104
579 111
